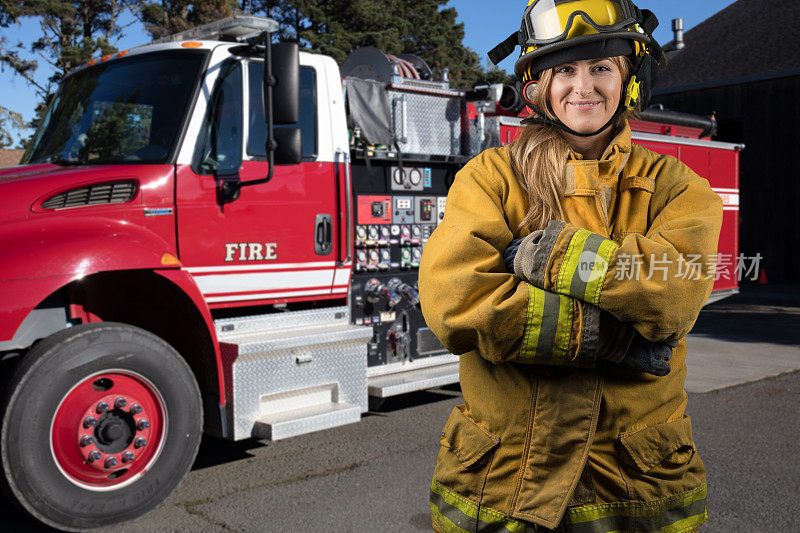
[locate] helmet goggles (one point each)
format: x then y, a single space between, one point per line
549 21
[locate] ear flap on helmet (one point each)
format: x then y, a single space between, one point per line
640 86
527 91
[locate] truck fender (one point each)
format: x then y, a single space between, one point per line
186 283
40 259
79 247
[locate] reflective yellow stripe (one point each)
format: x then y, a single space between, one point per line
670 516
599 272
571 261
548 327
445 523
456 514
563 330
574 278
533 324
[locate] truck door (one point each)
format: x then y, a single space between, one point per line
276 242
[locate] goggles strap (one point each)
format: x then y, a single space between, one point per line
504 49
649 21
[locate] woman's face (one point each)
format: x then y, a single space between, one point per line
585 94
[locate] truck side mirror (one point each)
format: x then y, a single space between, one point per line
286 91
289 146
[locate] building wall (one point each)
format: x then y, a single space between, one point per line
765 116
10 158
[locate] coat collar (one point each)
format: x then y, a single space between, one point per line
591 175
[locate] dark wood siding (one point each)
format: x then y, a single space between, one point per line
764 115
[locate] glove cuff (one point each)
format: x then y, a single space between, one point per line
534 253
615 338
590 338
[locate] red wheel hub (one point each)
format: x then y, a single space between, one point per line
108 430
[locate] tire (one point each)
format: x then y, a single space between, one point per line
60 477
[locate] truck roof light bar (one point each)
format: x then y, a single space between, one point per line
237 28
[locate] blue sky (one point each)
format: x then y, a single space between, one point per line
486 24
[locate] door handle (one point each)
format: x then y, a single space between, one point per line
323 234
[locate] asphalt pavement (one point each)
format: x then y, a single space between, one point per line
744 400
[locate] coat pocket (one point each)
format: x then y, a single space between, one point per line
465 456
669 445
633 210
466 439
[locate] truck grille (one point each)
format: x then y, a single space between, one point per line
106 193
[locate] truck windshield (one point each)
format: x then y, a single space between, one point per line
123 111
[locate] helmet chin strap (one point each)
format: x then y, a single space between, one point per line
544 119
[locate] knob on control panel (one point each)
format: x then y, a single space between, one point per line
375 290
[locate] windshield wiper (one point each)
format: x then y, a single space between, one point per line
66 162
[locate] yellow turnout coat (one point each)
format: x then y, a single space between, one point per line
545 437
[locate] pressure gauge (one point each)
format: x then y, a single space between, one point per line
385 233
405 231
417 254
361 232
415 176
373 232
361 256
395 230
385 256
416 231
373 256
397 176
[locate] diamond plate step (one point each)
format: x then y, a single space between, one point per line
305 420
227 327
251 343
412 380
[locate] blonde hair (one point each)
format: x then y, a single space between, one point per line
539 154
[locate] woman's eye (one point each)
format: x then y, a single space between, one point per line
602 68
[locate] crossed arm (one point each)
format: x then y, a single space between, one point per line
539 316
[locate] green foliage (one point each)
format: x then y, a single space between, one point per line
9 120
118 129
427 28
72 32
165 17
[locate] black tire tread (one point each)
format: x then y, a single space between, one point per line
26 369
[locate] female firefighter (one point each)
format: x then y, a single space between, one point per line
567 270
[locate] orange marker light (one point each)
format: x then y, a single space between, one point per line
170 260
191 44
105 58
92 62
123 53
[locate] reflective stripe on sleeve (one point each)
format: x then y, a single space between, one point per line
585 266
548 327
599 271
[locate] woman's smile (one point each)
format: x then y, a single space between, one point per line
585 94
586 106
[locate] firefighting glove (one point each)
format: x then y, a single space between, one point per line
617 342
511 251
620 343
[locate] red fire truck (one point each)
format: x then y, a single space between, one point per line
177 260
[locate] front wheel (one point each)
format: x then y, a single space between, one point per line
101 423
